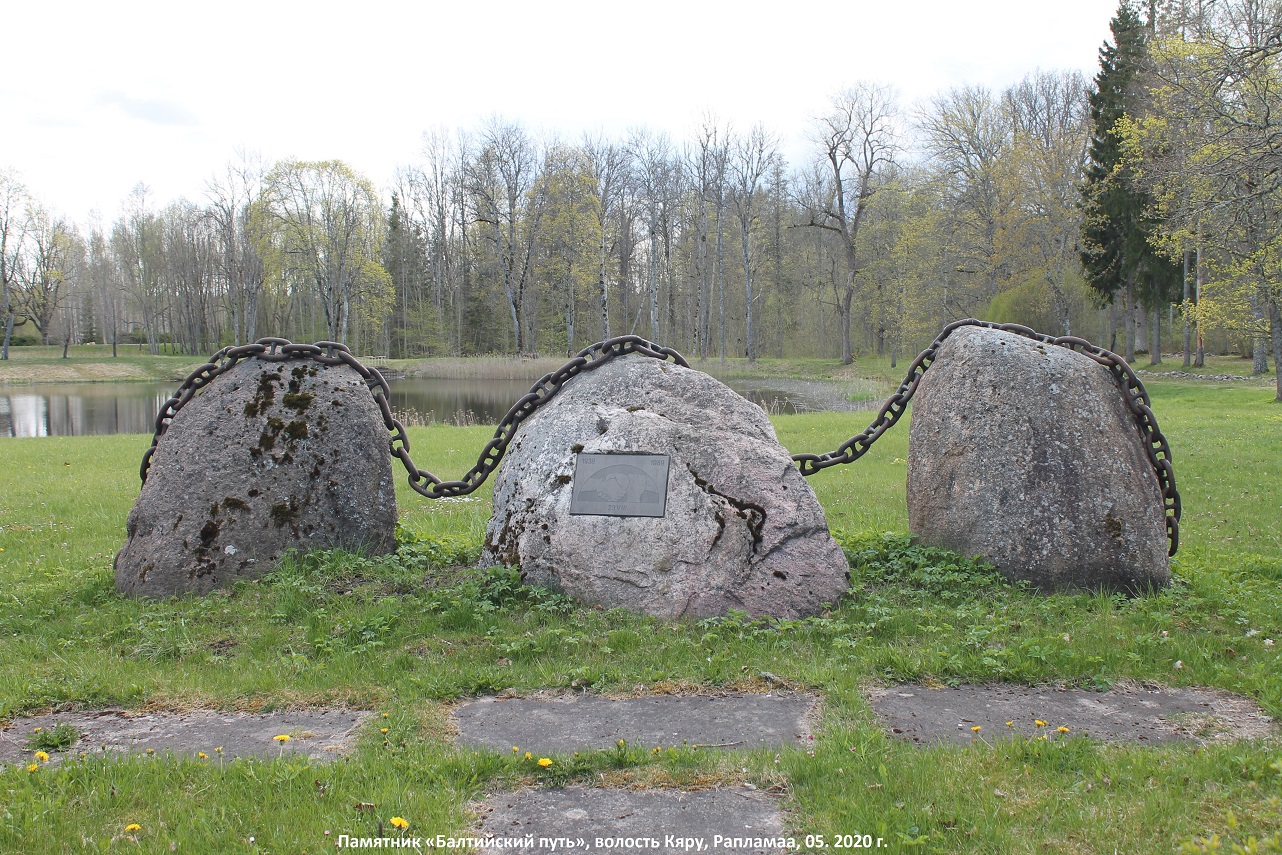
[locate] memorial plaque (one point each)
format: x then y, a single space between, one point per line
620 485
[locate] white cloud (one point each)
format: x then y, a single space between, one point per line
165 93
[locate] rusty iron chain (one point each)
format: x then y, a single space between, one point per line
427 484
1133 392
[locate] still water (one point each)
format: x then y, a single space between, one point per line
82 409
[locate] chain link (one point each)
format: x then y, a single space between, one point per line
426 484
1133 392
334 353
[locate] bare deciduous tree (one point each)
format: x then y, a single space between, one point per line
857 141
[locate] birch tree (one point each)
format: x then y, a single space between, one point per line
325 222
13 203
857 142
753 155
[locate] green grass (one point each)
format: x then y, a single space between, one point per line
409 635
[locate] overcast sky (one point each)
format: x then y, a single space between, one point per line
99 96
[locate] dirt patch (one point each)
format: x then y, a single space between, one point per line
1132 713
316 734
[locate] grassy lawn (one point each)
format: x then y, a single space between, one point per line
408 636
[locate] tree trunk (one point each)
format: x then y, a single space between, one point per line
1188 330
1259 345
1129 318
747 282
847 352
1155 336
1112 325
1199 359
721 277
1275 330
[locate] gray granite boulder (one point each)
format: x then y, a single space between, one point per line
270 456
741 528
1026 454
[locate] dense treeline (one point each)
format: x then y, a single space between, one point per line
1110 209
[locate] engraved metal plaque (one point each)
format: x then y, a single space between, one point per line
620 485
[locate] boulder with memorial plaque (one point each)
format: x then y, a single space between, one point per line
654 487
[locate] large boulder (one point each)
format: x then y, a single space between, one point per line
741 529
270 456
1026 454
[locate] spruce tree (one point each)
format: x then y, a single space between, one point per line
1116 253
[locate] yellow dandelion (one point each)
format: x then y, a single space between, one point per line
384 715
1039 722
202 755
151 751
1041 738
399 822
977 728
515 749
1062 729
281 737
42 756
529 756
38 729
621 743
382 730
1010 724
545 762
33 767
132 827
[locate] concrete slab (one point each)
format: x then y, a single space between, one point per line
315 734
586 722
736 819
1122 714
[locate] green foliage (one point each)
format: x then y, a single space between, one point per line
60 737
1118 222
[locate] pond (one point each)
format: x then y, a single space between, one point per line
82 409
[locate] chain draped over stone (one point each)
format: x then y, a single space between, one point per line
425 483
1133 392
428 485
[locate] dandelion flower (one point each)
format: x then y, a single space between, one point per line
515 749
283 737
42 756
977 728
621 743
1062 729
384 715
218 750
151 751
202 755
132 827
38 729
399 822
1010 724
33 767
382 730
545 762
529 756
1039 722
